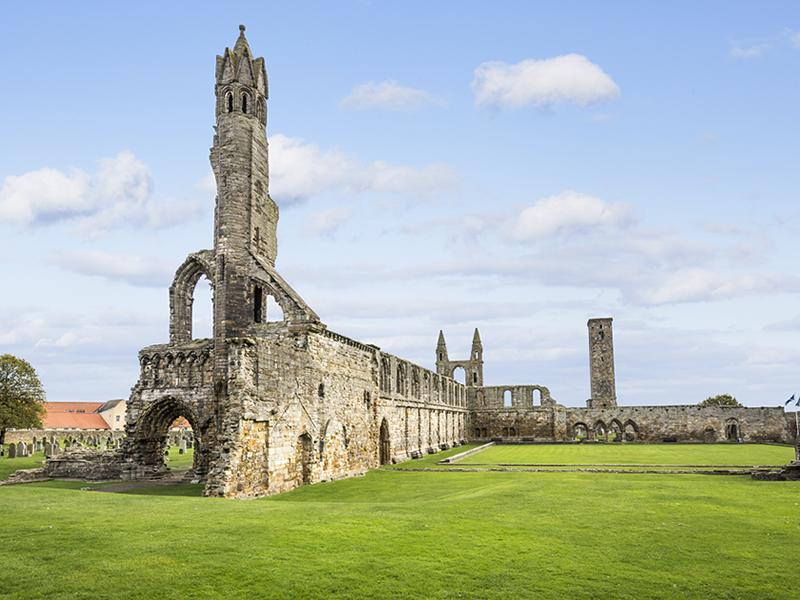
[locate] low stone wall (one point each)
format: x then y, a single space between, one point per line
683 423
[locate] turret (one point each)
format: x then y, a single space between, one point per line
442 361
475 375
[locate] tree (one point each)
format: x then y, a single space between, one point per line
720 400
21 395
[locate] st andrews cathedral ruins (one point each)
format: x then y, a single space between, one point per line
275 404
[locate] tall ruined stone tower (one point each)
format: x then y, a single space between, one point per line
601 363
246 218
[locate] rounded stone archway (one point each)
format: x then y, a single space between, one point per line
149 437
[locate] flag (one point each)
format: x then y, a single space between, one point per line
789 401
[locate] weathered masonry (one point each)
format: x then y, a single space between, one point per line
277 400
527 413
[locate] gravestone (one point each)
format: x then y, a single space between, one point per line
22 449
12 451
31 450
182 446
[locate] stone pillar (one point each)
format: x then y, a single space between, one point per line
601 363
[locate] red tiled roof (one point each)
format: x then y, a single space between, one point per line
73 415
74 420
73 407
180 423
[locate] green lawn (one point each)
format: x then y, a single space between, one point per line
401 534
627 454
9 465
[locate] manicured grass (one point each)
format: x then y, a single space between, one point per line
400 534
9 465
640 454
180 462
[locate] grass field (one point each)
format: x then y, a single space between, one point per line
399 534
628 454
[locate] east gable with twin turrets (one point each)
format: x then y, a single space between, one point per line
277 400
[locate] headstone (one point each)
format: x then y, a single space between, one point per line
22 449
189 442
12 451
31 450
182 446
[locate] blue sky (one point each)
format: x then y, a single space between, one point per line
515 166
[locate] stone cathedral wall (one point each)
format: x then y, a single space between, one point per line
308 406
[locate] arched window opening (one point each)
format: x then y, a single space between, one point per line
732 432
536 397
229 102
245 102
507 399
615 432
580 432
384 444
305 451
600 432
258 304
629 431
202 309
274 310
460 375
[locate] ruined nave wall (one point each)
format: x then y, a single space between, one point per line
313 409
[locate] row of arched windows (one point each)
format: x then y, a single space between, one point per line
438 388
245 103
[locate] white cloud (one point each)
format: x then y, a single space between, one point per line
139 271
119 193
387 95
569 211
44 196
746 51
327 221
299 170
570 78
703 285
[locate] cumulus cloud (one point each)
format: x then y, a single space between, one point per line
571 78
141 271
569 211
299 170
119 193
746 51
388 95
327 222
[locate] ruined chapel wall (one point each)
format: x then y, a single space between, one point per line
425 411
686 423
